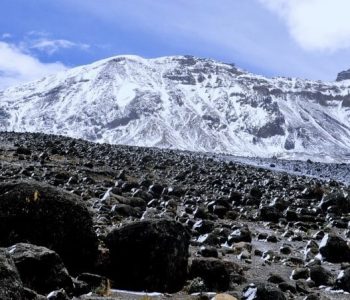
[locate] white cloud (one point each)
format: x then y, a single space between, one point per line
42 41
17 66
315 24
51 46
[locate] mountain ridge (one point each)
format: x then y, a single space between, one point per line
187 103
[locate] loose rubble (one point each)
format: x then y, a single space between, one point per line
94 221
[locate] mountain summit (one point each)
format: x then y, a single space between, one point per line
344 75
187 103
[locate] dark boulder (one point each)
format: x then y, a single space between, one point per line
300 273
321 276
242 234
304 286
156 190
315 296
29 294
126 210
334 249
208 251
343 280
23 150
270 214
149 255
203 226
95 283
263 291
40 269
40 214
58 295
215 272
336 200
10 283
276 278
256 192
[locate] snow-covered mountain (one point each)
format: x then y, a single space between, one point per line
189 103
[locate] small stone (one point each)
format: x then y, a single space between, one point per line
285 286
196 285
286 250
272 239
208 251
275 278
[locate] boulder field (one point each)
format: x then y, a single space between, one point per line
80 220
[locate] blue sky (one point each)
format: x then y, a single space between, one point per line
292 38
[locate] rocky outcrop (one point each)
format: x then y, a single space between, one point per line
344 75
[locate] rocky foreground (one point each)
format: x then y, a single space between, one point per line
86 221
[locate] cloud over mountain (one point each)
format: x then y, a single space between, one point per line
315 24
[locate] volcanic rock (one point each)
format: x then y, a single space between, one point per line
149 255
11 286
40 269
46 216
334 249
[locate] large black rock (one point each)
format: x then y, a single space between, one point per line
336 200
263 291
40 214
214 272
40 269
10 283
343 280
270 214
334 249
321 276
149 255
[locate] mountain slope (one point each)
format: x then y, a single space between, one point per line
188 103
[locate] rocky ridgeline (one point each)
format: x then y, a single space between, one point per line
344 75
88 221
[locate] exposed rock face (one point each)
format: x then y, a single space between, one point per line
40 269
187 103
43 215
10 283
149 255
344 75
